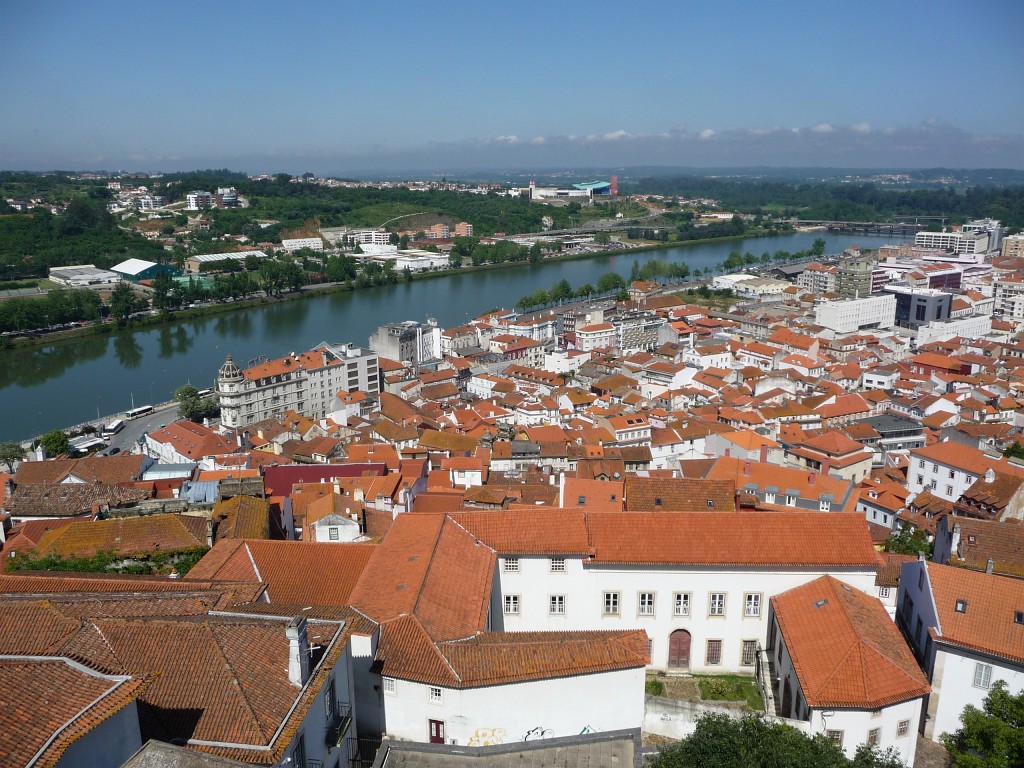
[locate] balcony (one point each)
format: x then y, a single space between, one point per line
339 725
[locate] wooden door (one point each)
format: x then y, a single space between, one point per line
436 731
679 649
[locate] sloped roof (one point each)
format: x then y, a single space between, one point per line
785 539
845 649
124 535
651 494
987 623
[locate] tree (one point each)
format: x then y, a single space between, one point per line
536 254
10 452
909 541
720 741
1014 450
561 291
993 736
818 248
191 406
55 442
610 281
162 287
122 300
602 238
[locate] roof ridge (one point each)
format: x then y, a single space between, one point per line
109 646
238 687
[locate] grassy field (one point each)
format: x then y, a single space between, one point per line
730 688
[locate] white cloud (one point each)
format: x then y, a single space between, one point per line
616 135
707 133
860 128
538 140
822 128
510 139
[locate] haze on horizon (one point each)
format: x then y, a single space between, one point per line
339 88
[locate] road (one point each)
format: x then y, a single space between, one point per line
128 438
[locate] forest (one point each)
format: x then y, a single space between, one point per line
846 202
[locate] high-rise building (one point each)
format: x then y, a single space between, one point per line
853 277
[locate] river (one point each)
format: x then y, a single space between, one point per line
55 386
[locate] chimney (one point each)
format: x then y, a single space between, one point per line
826 466
811 477
763 456
990 566
357 494
298 652
209 531
746 467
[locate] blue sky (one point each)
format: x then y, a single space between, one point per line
339 87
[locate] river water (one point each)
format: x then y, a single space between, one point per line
55 386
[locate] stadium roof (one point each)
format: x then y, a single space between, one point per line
593 185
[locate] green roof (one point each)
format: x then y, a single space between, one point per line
593 185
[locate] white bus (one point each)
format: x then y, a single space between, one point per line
113 427
137 413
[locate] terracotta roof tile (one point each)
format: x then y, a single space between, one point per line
647 494
846 650
123 535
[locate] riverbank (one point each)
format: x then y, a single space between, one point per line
211 310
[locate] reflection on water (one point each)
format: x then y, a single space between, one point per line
63 384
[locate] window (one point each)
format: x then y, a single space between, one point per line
920 479
824 506
682 604
883 592
749 653
949 490
716 604
752 604
434 694
952 474
769 498
791 501
714 652
511 565
711 502
903 727
611 603
332 533
330 707
390 685
512 604
835 736
982 675
645 604
557 605
558 565
961 606
299 753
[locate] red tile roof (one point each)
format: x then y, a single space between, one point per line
845 649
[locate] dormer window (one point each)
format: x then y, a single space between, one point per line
657 502
961 606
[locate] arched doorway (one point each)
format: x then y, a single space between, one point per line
679 649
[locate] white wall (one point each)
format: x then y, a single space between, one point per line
505 713
584 590
953 687
856 723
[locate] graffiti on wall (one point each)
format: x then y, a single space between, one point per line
486 737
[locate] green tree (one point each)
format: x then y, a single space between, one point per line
602 238
993 736
122 301
909 541
1014 450
191 406
163 284
584 290
561 291
536 254
609 281
818 248
10 452
720 741
55 442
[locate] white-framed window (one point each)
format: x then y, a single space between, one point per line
836 736
982 675
752 604
389 685
791 501
714 652
511 565
556 605
873 737
681 604
769 498
434 694
558 565
512 604
611 603
332 533
645 604
824 506
716 604
903 728
748 653
883 592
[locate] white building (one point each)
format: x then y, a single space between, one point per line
971 327
946 469
852 315
198 200
967 630
294 244
957 242
306 383
841 665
